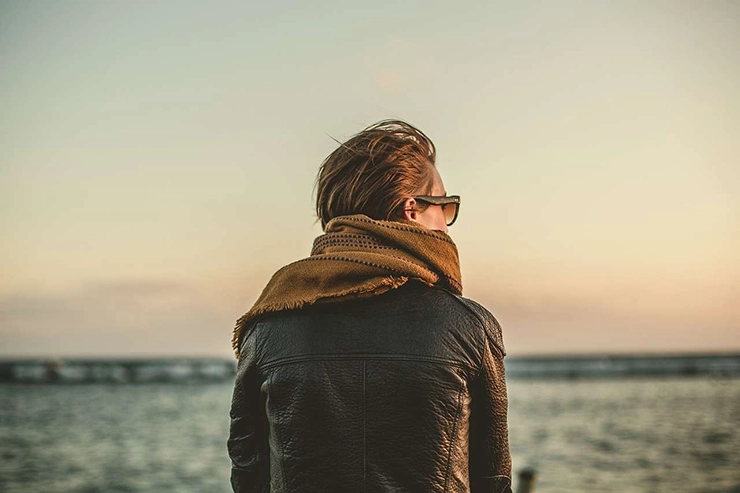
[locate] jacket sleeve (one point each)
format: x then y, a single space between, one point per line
248 435
490 459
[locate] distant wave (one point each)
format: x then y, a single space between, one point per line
117 371
202 370
623 366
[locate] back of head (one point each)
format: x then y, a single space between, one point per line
374 171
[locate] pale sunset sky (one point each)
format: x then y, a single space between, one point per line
157 162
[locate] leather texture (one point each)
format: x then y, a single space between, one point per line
401 392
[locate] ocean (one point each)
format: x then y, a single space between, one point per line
597 432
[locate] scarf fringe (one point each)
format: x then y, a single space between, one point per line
357 257
385 285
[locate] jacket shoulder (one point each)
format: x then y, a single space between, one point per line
489 323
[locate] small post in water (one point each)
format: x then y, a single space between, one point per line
526 480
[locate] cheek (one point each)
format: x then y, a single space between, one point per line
440 216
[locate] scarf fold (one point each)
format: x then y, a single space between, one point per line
358 257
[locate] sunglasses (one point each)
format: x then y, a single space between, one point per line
450 205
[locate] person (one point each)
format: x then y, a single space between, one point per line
362 368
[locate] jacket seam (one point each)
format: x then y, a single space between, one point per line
280 443
452 440
483 358
246 334
483 339
384 357
483 327
364 425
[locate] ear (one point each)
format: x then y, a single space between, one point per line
409 215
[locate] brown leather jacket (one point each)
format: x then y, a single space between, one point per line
401 392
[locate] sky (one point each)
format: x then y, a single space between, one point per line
157 163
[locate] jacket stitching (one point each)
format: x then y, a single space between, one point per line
483 326
246 333
452 440
280 442
484 350
485 336
384 357
364 424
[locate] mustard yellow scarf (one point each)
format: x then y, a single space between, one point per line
358 257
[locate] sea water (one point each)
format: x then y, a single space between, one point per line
676 434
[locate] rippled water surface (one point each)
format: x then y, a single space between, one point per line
673 435
635 435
